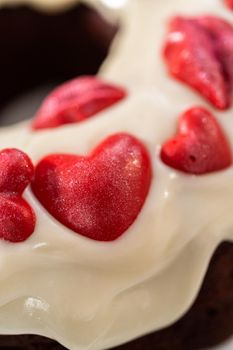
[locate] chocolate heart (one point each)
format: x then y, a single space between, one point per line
17 220
98 196
199 52
200 145
75 101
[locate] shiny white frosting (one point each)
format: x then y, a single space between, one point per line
90 295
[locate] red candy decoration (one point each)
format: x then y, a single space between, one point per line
199 52
200 145
98 196
229 3
17 219
75 101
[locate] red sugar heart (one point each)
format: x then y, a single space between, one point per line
17 219
229 3
75 101
98 196
199 52
200 146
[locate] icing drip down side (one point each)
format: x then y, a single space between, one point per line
95 295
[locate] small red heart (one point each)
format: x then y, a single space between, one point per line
229 3
221 33
17 220
200 146
98 196
75 101
199 52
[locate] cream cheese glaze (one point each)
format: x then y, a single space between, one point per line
93 295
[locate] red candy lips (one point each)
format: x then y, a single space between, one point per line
17 221
75 101
98 196
200 145
199 52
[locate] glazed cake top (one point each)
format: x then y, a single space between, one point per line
89 294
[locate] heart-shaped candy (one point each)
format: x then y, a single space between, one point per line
229 3
75 101
17 219
199 52
98 196
200 145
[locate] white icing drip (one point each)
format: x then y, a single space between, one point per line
92 295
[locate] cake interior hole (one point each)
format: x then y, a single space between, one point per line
42 49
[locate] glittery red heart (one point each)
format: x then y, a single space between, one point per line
229 3
199 52
17 219
98 196
200 145
75 101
